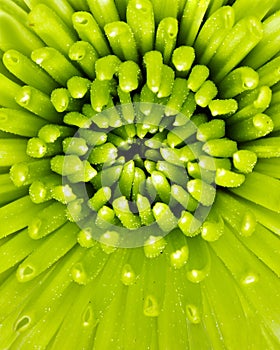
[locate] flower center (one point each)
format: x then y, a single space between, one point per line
147 121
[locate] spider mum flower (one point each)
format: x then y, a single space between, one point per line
139 174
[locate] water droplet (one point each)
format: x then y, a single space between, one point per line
128 275
193 314
151 308
34 228
25 273
22 324
197 276
248 224
179 258
78 274
88 317
199 263
250 278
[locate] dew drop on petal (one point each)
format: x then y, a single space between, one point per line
193 313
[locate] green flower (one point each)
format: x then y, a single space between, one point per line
139 174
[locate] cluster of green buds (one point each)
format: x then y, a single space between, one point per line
137 140
138 124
